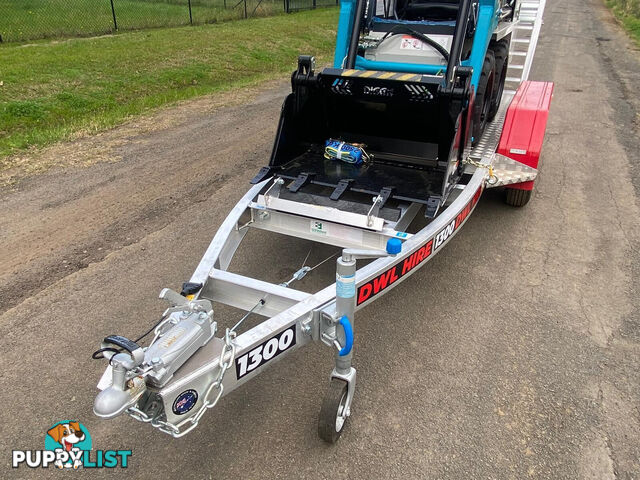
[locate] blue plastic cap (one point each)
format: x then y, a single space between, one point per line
394 246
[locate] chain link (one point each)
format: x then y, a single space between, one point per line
493 179
166 427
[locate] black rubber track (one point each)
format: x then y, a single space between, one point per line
501 55
482 101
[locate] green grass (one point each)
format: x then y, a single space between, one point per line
51 91
22 20
628 13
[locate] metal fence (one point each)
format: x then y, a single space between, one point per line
297 5
22 20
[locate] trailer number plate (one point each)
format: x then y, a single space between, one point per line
265 351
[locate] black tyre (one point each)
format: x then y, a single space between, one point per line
332 415
501 55
517 198
482 103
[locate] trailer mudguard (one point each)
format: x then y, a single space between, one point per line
524 126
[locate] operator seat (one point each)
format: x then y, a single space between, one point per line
438 10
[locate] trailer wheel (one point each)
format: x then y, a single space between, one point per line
332 415
482 103
501 55
517 198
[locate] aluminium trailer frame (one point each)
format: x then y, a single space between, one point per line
308 317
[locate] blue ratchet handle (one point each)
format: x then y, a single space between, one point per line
348 336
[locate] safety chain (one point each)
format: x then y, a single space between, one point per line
493 179
166 427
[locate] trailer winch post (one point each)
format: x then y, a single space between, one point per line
336 406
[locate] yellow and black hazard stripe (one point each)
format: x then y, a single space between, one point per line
403 77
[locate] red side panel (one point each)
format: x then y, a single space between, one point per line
525 124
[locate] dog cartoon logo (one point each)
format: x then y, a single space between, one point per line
70 437
67 445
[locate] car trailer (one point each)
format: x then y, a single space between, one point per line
426 105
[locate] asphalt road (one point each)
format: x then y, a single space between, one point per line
514 354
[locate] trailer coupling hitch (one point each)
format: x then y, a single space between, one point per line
184 328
